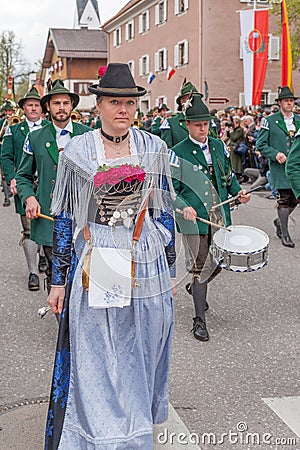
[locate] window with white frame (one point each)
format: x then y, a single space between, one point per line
160 60
181 53
117 37
129 30
180 6
131 67
144 22
251 1
273 48
144 65
161 12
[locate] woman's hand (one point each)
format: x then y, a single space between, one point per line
56 299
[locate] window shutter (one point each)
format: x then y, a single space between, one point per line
147 21
165 10
156 61
147 64
141 66
241 99
115 38
141 23
186 51
273 47
165 58
272 97
176 51
156 14
127 31
176 7
132 29
186 5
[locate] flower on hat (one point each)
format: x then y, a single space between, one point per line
101 71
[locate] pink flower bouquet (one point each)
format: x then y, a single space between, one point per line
113 175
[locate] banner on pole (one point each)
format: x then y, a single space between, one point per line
254 38
286 51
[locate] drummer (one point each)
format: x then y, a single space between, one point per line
202 176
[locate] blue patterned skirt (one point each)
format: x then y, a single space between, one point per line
110 380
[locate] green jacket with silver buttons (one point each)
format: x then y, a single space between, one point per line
43 159
200 186
273 138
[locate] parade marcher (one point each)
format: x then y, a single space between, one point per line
110 381
158 120
12 151
201 176
236 135
174 130
293 166
41 152
274 142
8 111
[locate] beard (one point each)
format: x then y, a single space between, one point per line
63 116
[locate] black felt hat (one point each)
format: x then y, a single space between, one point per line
117 82
59 88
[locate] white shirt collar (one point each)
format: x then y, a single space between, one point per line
68 127
198 142
31 124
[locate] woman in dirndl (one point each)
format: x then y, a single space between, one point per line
112 210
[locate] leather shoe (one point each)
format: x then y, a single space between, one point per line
33 282
199 329
278 228
287 241
42 264
188 288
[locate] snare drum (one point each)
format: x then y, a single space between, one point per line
243 249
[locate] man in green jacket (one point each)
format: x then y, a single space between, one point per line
12 151
202 176
174 129
41 153
274 141
7 109
292 166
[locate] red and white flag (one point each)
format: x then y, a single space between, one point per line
170 73
254 40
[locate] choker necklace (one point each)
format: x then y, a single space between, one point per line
115 140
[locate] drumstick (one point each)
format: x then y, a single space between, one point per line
232 199
205 221
43 216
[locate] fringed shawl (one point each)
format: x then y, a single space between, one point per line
79 163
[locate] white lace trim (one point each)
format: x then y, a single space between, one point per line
101 150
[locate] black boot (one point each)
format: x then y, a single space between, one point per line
283 215
199 329
278 228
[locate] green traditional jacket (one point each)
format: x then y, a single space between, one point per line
173 130
155 126
196 187
273 138
11 154
292 166
43 159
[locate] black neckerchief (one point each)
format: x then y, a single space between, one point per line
115 140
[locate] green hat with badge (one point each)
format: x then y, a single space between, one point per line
187 88
31 94
7 106
195 109
285 92
58 88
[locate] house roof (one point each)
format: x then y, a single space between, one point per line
72 43
124 9
81 4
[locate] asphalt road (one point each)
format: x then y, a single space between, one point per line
223 390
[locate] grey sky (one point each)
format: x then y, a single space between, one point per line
31 19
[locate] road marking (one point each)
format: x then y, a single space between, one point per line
288 409
173 434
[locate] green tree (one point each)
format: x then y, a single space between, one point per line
11 60
293 9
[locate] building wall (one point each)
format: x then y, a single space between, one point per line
212 29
